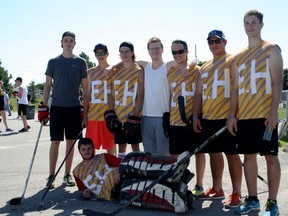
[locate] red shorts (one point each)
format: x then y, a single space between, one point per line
101 136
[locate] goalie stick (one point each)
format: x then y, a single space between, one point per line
17 200
90 212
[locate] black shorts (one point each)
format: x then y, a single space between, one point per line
22 109
182 138
65 120
225 142
250 136
121 137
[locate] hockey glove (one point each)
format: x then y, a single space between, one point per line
132 125
166 123
112 122
43 114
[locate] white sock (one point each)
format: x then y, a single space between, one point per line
121 155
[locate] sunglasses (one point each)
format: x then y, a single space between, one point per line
178 52
217 41
103 53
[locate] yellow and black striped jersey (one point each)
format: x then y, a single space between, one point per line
255 94
216 83
100 89
125 85
185 86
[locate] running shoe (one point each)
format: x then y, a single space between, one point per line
272 209
210 194
247 205
198 190
233 201
68 181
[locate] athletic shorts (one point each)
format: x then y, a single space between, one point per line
225 142
65 120
250 136
22 109
182 138
101 136
121 137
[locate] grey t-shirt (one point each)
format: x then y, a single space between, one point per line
67 74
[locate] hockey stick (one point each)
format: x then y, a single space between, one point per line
41 205
17 200
89 212
181 105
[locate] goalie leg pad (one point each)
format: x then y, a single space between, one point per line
167 196
147 166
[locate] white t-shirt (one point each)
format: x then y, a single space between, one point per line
23 99
156 95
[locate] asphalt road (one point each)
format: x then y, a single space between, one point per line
15 156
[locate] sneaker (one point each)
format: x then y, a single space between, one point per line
23 130
8 130
211 194
247 205
49 179
272 209
198 190
233 201
68 180
28 127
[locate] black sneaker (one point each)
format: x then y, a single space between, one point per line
49 179
68 181
23 130
28 127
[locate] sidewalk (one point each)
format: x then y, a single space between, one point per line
15 156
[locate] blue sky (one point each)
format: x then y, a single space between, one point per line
31 30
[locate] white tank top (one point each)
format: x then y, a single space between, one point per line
156 97
23 99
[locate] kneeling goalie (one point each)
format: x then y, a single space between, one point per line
107 177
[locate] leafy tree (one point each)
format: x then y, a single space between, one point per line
90 64
285 79
5 77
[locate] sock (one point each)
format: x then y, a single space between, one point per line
268 200
255 198
121 155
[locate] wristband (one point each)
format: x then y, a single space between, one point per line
231 117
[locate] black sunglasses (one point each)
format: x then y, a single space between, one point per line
178 52
217 41
103 53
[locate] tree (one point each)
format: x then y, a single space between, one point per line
5 77
285 79
90 64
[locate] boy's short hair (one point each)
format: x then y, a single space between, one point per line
85 141
154 40
256 13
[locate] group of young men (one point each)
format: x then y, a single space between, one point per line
134 102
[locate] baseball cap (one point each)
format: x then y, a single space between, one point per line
68 33
127 44
18 79
216 33
100 46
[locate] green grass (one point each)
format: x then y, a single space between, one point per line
13 103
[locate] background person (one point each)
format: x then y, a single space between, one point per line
22 104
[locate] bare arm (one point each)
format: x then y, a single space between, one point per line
142 63
140 94
197 105
232 121
20 92
47 88
276 72
84 85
